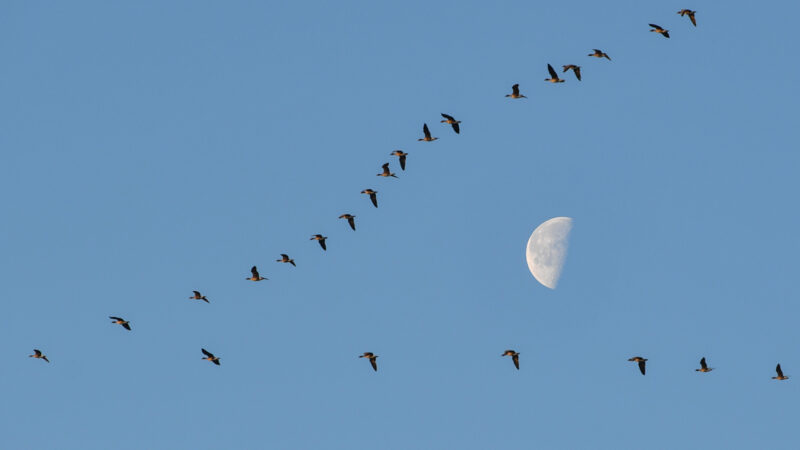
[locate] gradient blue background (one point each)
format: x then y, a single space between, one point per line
151 148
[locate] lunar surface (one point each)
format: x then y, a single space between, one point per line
547 250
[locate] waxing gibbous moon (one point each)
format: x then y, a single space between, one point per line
547 250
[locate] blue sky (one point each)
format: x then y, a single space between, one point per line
152 149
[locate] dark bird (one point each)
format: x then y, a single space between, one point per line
641 362
198 296
256 276
515 92
350 219
402 155
514 357
38 354
427 133
210 356
372 196
599 54
703 366
372 359
553 75
451 121
386 172
576 69
658 29
780 376
690 13
125 324
321 239
285 259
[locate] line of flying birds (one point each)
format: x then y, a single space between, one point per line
387 173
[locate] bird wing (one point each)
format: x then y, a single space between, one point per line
665 33
703 363
641 366
691 17
352 223
322 244
552 71
447 117
374 362
126 326
777 369
426 131
196 294
207 353
215 361
374 197
284 256
515 358
254 271
403 162
456 128
656 26
39 353
114 318
577 71
515 89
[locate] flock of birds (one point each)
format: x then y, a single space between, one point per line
387 173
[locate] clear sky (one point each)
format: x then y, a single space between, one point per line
153 148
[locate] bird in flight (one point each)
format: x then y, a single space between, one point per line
599 54
576 69
427 134
658 29
350 219
451 121
553 75
515 92
690 13
703 366
125 324
372 196
321 239
210 356
198 296
641 362
514 357
372 359
285 259
780 376
402 155
256 276
38 355
386 172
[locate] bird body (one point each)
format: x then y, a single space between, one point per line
659 30
599 54
553 75
386 172
641 362
450 120
321 239
515 92
514 357
285 259
125 324
372 359
198 296
372 196
38 355
255 275
210 356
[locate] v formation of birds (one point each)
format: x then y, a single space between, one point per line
387 173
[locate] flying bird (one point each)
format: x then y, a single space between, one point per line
515 92
576 69
210 356
451 121
427 133
599 54
386 172
350 219
38 355
256 276
321 239
690 13
703 366
125 324
641 362
514 357
553 75
198 296
658 29
780 376
285 259
372 359
402 155
372 196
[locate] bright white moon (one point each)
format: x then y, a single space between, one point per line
547 250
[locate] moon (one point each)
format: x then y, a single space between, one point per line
547 250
